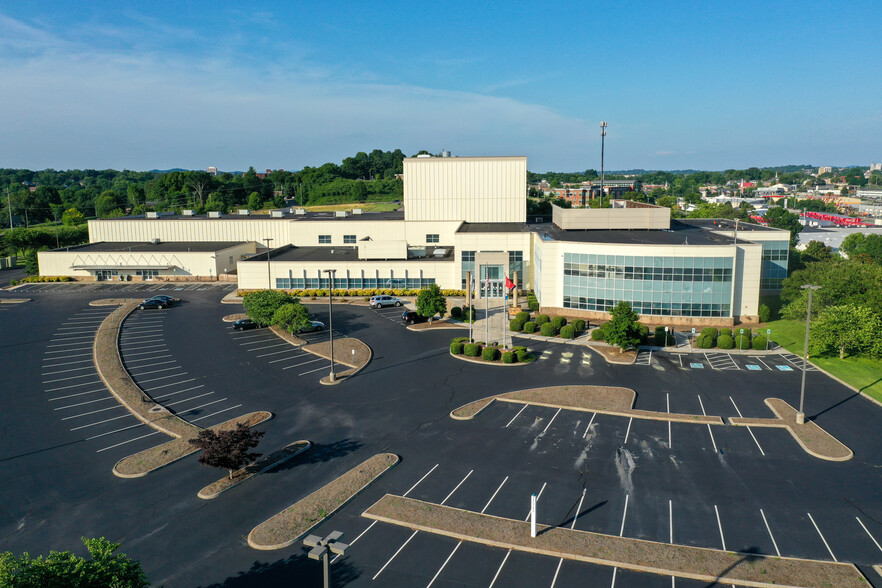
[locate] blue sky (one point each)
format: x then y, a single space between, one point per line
703 85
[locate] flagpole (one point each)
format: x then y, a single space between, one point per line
487 304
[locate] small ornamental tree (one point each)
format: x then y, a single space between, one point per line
103 567
291 317
623 330
846 329
227 449
261 305
72 218
430 301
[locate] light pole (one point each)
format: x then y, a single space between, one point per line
331 272
602 145
800 416
321 547
269 280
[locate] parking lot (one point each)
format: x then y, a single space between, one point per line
146 288
723 487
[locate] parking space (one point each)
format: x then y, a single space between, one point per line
267 348
147 288
722 361
391 313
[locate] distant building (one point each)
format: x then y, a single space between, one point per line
582 194
825 170
875 167
212 170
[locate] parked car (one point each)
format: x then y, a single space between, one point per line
381 301
412 317
169 300
244 325
152 303
314 326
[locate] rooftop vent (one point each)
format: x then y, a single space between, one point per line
357 211
244 212
300 211
277 213
341 213
423 156
151 214
214 214
155 240
188 212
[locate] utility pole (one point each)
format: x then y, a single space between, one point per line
800 416
332 377
602 145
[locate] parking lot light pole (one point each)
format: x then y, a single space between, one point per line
269 280
800 416
321 547
331 272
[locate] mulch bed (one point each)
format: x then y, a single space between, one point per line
232 318
142 463
14 300
614 354
267 462
706 565
437 324
296 521
286 336
815 440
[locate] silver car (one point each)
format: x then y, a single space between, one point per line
381 301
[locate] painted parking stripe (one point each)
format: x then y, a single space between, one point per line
64 371
155 357
83 403
288 367
128 349
189 399
162 378
720 525
56 389
77 394
236 334
208 416
628 432
278 352
769 529
69 345
81 415
708 425
268 347
265 340
190 389
202 406
295 351
861 523
759 359
68 378
621 531
152 365
70 337
152 388
102 422
508 553
126 338
573 526
668 404
588 428
827 545
551 421
129 441
748 428
516 416
318 369
67 362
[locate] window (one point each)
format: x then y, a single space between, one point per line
348 239
433 238
324 239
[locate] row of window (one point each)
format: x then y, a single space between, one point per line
648 261
667 274
515 264
649 308
350 239
353 283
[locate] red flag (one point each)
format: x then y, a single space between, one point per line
508 283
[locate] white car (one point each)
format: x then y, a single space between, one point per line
381 301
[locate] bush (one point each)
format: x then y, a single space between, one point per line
469 314
541 319
725 342
663 338
456 347
578 326
529 327
522 316
599 334
515 325
712 331
532 303
261 305
547 330
508 357
559 322
704 341
643 331
568 332
490 354
472 349
765 314
743 340
524 356
760 342
456 312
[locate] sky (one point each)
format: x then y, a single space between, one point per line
683 85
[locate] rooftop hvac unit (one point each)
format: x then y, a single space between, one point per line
151 214
155 240
357 211
341 213
299 211
244 212
188 212
214 214
277 213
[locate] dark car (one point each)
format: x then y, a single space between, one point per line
412 317
312 327
153 303
169 300
244 325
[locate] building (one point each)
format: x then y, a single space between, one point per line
212 171
825 170
582 194
462 216
875 167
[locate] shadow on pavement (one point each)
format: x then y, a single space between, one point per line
320 453
292 571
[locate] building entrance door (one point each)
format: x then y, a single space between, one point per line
491 281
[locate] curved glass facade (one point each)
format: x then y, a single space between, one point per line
664 286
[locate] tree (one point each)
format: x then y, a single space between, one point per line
291 317
254 202
107 203
817 251
846 329
430 301
227 449
842 282
64 568
858 244
623 330
781 218
261 305
72 218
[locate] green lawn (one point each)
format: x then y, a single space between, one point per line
863 373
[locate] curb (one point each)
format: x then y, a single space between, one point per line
497 363
208 496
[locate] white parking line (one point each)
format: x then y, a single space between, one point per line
271 346
67 362
68 345
152 388
278 352
418 481
827 545
670 522
77 394
288 367
127 338
129 441
527 518
668 402
83 403
127 354
101 422
748 428
155 357
208 416
315 370
861 523
708 425
138 375
179 392
87 367
759 359
551 421
162 378
65 357
72 337
299 354
67 378
116 431
77 416
237 336
769 529
621 531
486 506
441 569
588 428
265 340
720 525
137 347
628 432
573 526
457 487
189 399
72 386
516 416
202 406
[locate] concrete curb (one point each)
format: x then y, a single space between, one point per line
210 495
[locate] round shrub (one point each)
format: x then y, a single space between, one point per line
568 332
516 325
559 322
523 356
643 331
472 349
765 313
743 341
547 330
456 347
598 334
508 357
456 312
727 332
532 303
712 331
704 342
725 342
579 325
490 354
541 319
522 316
760 342
529 327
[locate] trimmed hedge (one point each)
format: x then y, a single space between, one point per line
472 349
541 319
743 340
523 356
712 331
522 316
704 341
515 325
547 330
725 332
456 312
559 322
456 347
760 342
579 326
643 331
568 332
598 334
725 342
508 357
490 354
529 327
532 302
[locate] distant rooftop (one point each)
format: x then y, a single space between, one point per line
342 254
149 247
286 215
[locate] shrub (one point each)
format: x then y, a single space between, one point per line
599 334
532 303
579 326
462 340
456 347
662 337
760 342
490 354
568 332
743 340
508 357
522 316
260 305
725 342
547 330
704 342
643 332
515 325
472 349
712 331
469 314
529 327
765 314
518 348
559 322
523 356
727 332
541 319
456 312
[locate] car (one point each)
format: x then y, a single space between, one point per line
312 327
152 303
169 300
244 324
412 317
381 301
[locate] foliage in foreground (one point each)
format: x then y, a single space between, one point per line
62 569
261 305
431 301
